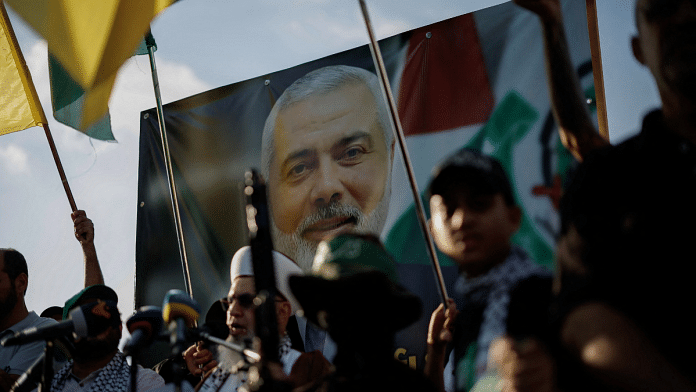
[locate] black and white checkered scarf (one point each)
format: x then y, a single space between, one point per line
112 377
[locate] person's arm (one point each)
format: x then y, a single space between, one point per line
617 352
84 232
577 130
522 366
439 335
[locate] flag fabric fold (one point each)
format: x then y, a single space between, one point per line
69 98
20 107
91 41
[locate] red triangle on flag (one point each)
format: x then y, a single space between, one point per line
445 83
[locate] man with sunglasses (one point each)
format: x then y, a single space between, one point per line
301 368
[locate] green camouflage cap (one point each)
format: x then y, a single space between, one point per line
349 254
97 291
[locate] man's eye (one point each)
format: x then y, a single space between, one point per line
298 170
353 153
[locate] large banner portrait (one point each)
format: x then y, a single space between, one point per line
320 135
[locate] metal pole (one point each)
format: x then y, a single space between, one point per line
398 130
170 175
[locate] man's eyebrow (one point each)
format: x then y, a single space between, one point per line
304 153
348 139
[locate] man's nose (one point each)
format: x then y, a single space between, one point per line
460 218
235 309
328 187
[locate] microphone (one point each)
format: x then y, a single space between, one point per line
179 312
144 325
219 329
216 332
77 324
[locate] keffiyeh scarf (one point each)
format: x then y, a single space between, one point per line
115 376
218 378
492 291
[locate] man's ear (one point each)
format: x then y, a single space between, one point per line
21 283
283 311
637 50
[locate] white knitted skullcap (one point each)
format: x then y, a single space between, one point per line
241 265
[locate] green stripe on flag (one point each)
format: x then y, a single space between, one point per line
67 96
67 99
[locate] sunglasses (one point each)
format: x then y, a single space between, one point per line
246 301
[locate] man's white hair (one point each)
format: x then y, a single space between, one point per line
319 82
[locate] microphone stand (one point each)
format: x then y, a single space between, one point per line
47 376
133 372
27 381
251 355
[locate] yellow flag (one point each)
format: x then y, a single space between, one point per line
19 104
91 39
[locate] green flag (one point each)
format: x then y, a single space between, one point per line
68 97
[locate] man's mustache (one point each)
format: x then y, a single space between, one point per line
332 210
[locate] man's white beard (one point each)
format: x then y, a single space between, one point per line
229 359
302 251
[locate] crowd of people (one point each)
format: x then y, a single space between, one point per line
613 315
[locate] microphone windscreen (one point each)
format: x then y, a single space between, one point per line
178 304
148 319
94 318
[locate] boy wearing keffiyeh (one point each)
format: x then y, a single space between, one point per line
473 219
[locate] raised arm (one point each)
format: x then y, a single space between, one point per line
84 232
439 335
577 130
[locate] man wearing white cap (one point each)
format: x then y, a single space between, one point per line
241 320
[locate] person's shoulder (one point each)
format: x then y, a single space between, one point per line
43 321
171 387
32 320
148 379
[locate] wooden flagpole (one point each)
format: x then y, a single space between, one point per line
398 130
596 51
34 102
59 165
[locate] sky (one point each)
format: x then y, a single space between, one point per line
203 44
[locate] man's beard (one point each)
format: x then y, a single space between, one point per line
229 359
9 302
302 251
92 349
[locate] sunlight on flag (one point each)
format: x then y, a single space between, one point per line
19 104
